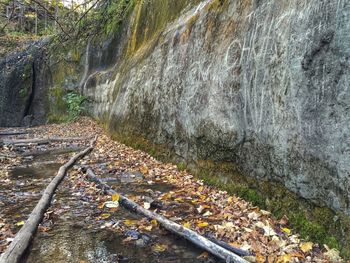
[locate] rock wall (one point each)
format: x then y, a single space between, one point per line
264 84
23 87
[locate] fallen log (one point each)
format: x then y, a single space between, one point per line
12 133
69 139
26 141
54 151
39 141
171 226
22 239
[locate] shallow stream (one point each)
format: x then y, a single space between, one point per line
71 231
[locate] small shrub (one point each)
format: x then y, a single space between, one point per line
74 105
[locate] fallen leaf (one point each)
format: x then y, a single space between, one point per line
265 213
187 225
306 246
208 213
203 255
268 230
284 259
144 170
200 209
146 205
284 220
333 255
129 222
148 228
159 248
287 231
180 200
154 222
111 204
229 225
105 216
20 223
253 215
115 197
202 224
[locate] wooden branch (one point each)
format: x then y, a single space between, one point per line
39 141
52 151
10 133
171 226
23 142
22 240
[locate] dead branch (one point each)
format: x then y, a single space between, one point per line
22 240
171 226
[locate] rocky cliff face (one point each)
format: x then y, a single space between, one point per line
23 87
264 84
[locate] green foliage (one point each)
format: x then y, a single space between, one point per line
115 12
64 107
23 93
74 105
181 166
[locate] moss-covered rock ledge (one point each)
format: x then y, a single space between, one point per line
314 223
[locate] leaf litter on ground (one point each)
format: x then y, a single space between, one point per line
189 201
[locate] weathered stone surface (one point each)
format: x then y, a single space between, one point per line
23 87
264 84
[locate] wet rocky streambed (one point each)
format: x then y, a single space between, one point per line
74 230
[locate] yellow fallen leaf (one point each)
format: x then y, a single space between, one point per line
180 200
306 246
105 216
187 225
284 259
148 228
154 222
287 231
20 223
159 248
202 224
129 222
115 197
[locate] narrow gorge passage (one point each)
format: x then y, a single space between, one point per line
84 225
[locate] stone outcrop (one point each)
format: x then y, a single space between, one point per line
264 84
23 87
